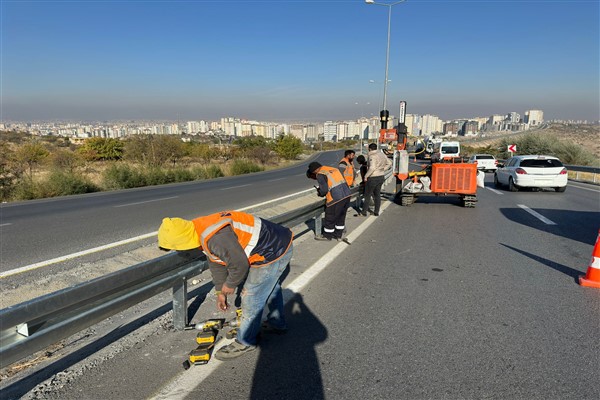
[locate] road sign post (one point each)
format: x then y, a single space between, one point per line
512 148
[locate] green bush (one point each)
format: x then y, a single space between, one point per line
574 154
214 171
26 189
179 175
550 145
58 183
61 183
240 167
122 176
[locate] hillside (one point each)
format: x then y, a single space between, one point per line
587 136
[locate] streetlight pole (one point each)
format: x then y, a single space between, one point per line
384 112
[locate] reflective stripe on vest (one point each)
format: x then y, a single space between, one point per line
334 179
246 227
348 171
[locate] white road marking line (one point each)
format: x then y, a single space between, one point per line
74 255
235 187
278 179
583 188
494 190
537 215
147 201
275 200
6 224
115 244
187 381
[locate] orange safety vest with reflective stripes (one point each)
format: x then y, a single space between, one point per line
348 172
263 241
338 188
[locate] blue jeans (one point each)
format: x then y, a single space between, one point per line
263 288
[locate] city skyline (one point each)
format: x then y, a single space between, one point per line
296 61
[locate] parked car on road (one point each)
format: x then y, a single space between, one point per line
532 171
485 162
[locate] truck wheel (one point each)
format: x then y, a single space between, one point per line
469 201
407 200
511 185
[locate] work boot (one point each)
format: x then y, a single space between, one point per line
233 350
322 238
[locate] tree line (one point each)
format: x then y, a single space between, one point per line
38 167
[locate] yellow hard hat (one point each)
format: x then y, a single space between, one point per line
177 234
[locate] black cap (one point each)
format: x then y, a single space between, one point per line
312 167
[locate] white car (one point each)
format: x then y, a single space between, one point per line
485 162
532 172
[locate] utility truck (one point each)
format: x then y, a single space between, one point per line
446 175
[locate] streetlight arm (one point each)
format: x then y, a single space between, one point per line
384 4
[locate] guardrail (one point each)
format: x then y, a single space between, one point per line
581 170
33 325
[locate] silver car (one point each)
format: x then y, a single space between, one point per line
532 171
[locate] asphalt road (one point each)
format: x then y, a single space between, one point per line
40 230
432 301
441 302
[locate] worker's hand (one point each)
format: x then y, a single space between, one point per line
226 290
222 302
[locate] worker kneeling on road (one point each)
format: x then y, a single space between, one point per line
334 188
238 246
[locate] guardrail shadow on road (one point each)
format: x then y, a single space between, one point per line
288 366
573 273
586 230
21 387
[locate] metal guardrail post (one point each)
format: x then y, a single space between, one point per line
180 315
318 224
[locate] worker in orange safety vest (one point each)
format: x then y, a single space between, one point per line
241 249
336 191
346 167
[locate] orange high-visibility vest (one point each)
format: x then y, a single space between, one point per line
348 171
248 231
338 188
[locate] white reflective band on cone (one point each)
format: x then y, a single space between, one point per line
595 263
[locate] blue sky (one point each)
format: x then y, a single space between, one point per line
297 60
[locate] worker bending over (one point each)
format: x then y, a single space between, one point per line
334 188
239 246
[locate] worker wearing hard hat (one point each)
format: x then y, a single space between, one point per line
334 188
239 246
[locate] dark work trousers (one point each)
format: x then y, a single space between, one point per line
373 189
335 219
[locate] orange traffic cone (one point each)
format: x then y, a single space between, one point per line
592 278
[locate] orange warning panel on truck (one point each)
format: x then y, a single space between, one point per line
454 178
